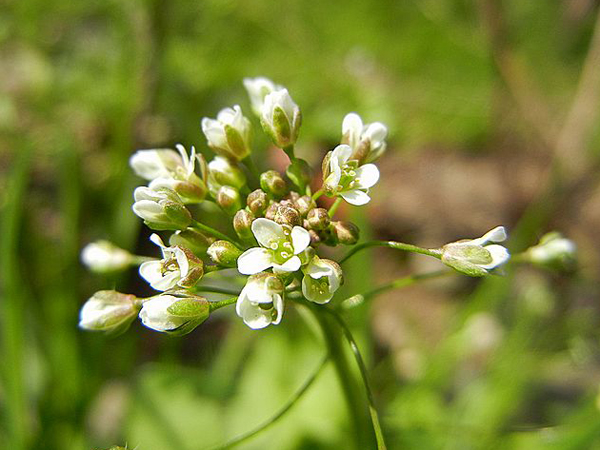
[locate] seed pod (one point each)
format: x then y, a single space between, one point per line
242 224
273 183
318 219
257 201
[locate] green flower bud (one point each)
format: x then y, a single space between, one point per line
318 219
230 134
283 214
161 209
273 183
257 201
224 253
109 311
553 251
299 172
281 118
304 204
176 313
346 232
229 199
221 172
242 224
191 238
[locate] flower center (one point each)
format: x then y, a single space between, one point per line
348 178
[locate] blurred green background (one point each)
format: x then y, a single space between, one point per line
481 99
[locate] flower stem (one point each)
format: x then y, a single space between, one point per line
215 233
290 152
317 194
216 290
252 167
222 303
350 386
392 244
335 206
279 414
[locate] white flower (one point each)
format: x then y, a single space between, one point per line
345 177
221 172
366 140
179 267
230 134
104 256
322 277
261 301
174 315
258 88
280 118
155 163
108 311
161 208
280 246
476 257
553 249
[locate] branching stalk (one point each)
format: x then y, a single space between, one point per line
436 253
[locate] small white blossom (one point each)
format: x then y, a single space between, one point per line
179 267
161 208
366 140
230 134
322 277
258 88
280 247
104 256
345 177
155 163
553 249
477 257
174 315
281 118
108 311
221 172
261 301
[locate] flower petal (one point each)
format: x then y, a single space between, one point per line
499 254
367 176
151 271
356 197
278 305
254 260
300 239
376 132
341 154
267 232
352 128
291 265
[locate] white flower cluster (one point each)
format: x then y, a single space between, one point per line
279 224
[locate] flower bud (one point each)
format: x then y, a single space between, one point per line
553 251
230 134
367 141
221 172
242 224
299 172
322 277
257 201
174 314
281 118
258 88
476 257
224 253
188 191
229 199
191 238
283 215
109 311
346 232
272 183
261 301
304 204
161 209
318 219
104 256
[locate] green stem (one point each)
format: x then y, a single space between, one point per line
215 233
289 150
350 386
395 245
364 374
216 290
317 194
335 206
279 414
252 167
222 303
137 260
359 299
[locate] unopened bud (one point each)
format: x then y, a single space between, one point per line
229 199
299 172
257 201
109 311
230 134
304 204
224 253
104 256
273 183
281 118
242 224
161 209
191 238
346 232
284 215
176 314
221 172
553 251
318 218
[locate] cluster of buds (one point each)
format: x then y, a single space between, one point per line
280 225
